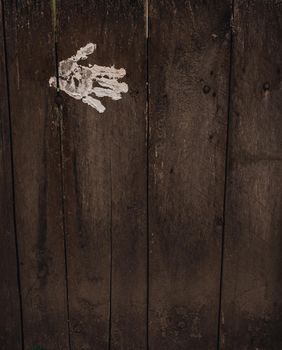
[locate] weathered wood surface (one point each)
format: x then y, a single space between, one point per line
112 224
252 281
104 158
189 47
36 153
10 320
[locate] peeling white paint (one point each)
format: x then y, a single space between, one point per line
82 82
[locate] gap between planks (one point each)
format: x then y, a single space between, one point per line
225 176
12 170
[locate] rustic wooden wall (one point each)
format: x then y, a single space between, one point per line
156 224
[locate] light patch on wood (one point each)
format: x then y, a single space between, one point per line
83 83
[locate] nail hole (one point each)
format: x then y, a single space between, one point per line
206 89
266 87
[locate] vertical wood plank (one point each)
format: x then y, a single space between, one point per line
129 181
105 179
10 320
37 174
252 284
87 188
189 50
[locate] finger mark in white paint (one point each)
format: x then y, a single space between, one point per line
93 102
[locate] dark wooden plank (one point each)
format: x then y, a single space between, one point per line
10 320
87 188
189 50
252 285
105 180
36 151
129 181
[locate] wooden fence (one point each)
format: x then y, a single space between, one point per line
141 203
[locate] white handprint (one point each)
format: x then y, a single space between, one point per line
79 81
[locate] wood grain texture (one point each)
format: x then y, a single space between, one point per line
10 320
252 284
129 182
36 152
105 180
189 46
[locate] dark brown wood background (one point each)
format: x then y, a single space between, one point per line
158 224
